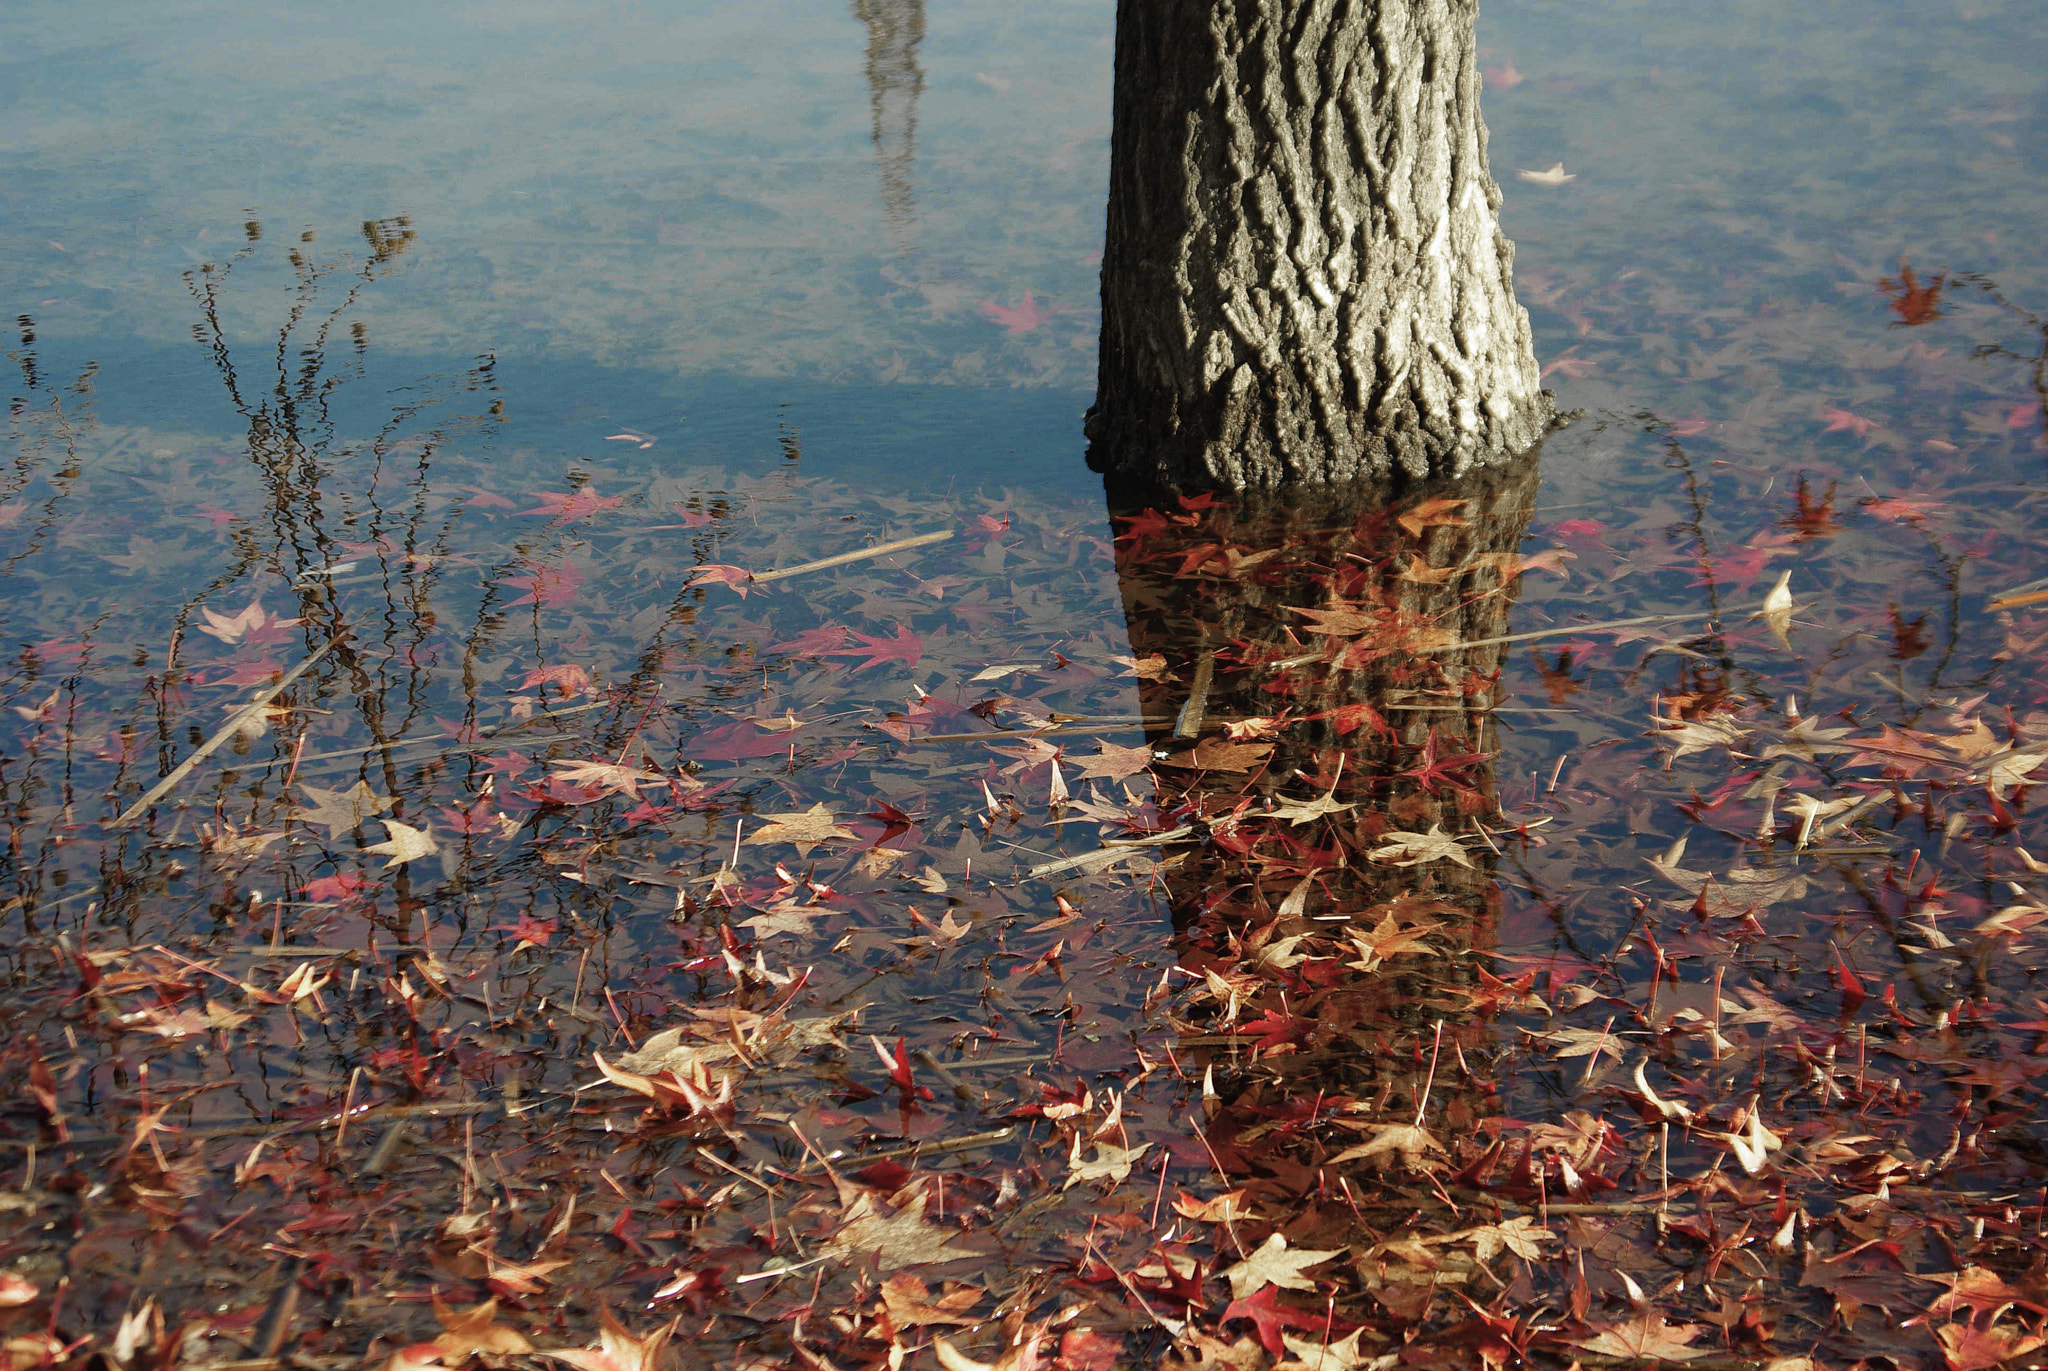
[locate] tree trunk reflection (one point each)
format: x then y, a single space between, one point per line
1308 709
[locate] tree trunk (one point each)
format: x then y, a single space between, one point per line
1303 279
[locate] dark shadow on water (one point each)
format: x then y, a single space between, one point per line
910 439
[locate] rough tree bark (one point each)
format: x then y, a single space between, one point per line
1304 280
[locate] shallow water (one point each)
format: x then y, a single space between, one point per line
756 286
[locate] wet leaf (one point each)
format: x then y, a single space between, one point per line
1110 1162
895 1240
341 811
1274 1263
403 843
1646 1338
1400 848
805 828
617 1350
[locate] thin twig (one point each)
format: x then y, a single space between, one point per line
881 550
227 730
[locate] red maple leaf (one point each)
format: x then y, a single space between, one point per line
735 576
477 818
1436 766
906 647
646 812
740 741
529 930
562 506
569 680
545 585
343 885
899 1070
1352 717
250 673
1263 1308
893 820
1022 319
1841 420
1741 565
1494 993
1273 1030
813 642
1143 525
1581 528
1899 509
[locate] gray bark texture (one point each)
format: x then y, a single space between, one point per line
1304 280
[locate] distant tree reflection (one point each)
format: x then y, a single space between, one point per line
895 80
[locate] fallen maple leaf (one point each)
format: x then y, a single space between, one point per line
1341 1355
254 625
2007 774
1777 610
545 585
1967 1347
1754 1144
1298 812
895 1240
906 647
341 811
617 1350
609 776
1214 754
1645 1338
1400 848
405 843
1914 303
738 577
1227 1207
1522 1236
516 1278
1111 1162
1115 763
805 828
1388 939
1410 1144
1021 319
1272 1318
563 506
1019 1354
1274 1263
1570 363
908 1303
1842 421
1431 513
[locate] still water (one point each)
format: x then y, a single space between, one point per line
479 327
705 222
